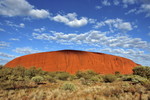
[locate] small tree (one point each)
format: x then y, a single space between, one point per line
142 71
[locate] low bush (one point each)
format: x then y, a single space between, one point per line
37 79
52 74
134 79
117 73
146 84
11 85
68 86
50 79
1 66
94 79
80 74
85 81
7 85
86 74
31 72
72 77
19 71
5 72
62 75
109 78
91 72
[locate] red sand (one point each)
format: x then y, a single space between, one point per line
72 60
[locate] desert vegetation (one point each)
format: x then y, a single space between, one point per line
34 84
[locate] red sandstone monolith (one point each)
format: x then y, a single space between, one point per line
72 61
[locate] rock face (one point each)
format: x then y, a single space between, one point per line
72 60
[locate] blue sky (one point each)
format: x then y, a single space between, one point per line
117 27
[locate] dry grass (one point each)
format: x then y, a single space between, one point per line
100 91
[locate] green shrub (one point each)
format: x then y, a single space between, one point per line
142 71
7 84
5 71
80 74
86 74
117 73
109 78
1 66
14 74
138 79
88 77
91 72
50 79
86 82
52 74
68 86
19 71
33 71
37 79
95 79
62 75
42 73
146 84
100 78
19 78
134 79
12 77
11 85
72 77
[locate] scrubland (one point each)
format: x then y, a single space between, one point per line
34 84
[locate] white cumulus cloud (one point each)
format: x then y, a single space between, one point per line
121 45
9 23
40 29
4 61
21 8
4 44
6 55
130 1
116 2
98 7
2 30
137 55
145 8
115 23
22 25
71 20
94 37
25 50
36 13
131 11
14 39
106 3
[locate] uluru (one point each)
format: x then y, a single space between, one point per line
74 60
